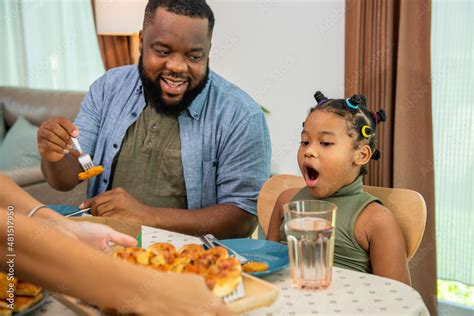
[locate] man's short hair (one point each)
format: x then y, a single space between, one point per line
189 8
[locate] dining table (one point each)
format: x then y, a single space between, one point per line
350 293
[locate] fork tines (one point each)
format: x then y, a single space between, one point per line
238 293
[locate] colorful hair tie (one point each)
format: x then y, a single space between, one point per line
322 101
366 131
374 117
350 105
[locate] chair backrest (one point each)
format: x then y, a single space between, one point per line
408 206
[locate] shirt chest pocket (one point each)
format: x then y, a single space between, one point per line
170 175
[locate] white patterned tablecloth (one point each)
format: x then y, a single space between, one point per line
351 293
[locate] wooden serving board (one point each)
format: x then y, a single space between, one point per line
258 293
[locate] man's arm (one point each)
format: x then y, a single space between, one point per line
62 175
59 162
222 220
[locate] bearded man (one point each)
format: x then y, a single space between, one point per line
182 148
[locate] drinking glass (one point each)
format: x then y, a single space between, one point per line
310 229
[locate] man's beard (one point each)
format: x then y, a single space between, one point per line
153 92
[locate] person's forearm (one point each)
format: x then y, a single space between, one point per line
59 263
12 195
222 220
62 175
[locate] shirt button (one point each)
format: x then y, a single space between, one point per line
149 143
154 126
134 114
105 180
115 146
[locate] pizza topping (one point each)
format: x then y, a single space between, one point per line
221 272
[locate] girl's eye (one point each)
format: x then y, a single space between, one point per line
303 143
326 144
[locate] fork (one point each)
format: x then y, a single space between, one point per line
84 159
82 211
238 293
209 240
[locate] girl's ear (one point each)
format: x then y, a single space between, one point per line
362 155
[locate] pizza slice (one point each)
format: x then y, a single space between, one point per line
221 272
134 255
162 255
22 303
5 285
206 259
224 276
27 289
212 255
4 311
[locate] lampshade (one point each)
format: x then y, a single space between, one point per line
119 17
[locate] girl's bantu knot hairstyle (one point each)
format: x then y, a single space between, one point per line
379 116
320 98
354 102
376 155
361 123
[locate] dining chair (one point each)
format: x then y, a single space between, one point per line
408 206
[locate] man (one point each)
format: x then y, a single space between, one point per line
182 148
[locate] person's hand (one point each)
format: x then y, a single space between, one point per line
117 203
185 294
99 236
54 138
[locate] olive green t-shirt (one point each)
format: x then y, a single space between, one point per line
148 165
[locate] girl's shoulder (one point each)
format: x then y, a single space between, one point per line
372 220
286 196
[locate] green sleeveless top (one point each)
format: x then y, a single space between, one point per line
350 201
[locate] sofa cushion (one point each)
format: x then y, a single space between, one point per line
38 105
19 148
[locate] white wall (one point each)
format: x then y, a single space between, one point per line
281 52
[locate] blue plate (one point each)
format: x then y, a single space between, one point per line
63 209
273 253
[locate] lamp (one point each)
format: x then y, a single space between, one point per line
121 18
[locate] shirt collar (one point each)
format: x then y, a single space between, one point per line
198 103
350 189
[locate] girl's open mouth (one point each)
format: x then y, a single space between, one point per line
312 176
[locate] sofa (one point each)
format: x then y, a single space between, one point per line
37 106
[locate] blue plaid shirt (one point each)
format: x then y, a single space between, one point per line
225 144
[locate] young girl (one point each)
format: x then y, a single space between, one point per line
337 142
